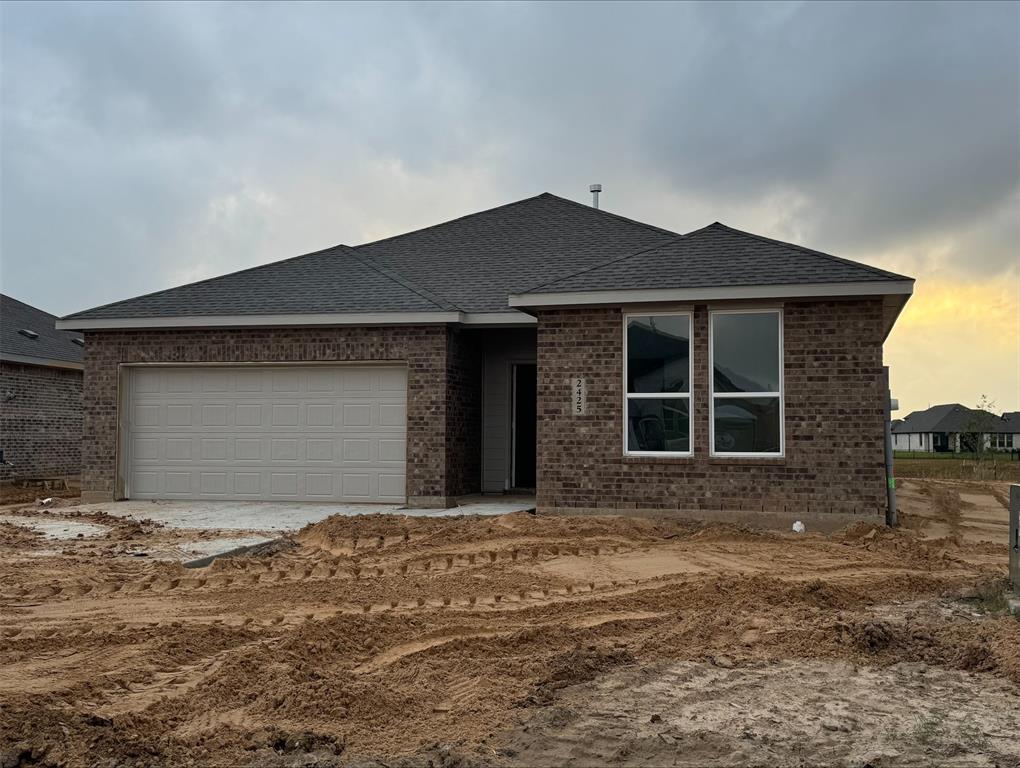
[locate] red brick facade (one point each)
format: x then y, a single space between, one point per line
440 464
40 421
834 455
833 378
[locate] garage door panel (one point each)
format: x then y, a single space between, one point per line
179 415
178 448
179 382
248 415
392 414
320 449
248 483
178 483
392 450
248 449
320 415
268 433
391 486
146 415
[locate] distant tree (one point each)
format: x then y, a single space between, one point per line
978 427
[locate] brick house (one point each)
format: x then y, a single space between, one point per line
40 394
542 345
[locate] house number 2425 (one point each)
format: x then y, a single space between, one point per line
578 395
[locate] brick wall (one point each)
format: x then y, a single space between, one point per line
40 421
435 440
834 460
463 412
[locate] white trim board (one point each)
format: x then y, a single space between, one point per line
343 318
724 293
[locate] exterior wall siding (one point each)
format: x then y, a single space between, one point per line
40 421
436 438
834 457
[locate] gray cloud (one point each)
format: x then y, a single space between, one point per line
154 143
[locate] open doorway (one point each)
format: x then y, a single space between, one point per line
523 386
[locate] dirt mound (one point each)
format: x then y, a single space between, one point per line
366 532
411 640
19 537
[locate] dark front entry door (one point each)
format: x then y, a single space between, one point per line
525 379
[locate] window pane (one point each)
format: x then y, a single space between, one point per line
659 425
747 425
745 352
658 353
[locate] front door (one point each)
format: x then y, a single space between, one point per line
524 387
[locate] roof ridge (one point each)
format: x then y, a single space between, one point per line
256 268
613 260
812 251
395 276
614 215
448 221
509 205
616 259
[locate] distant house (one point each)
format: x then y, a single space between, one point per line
955 428
40 394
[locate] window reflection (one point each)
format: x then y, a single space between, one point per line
658 425
747 425
745 352
658 353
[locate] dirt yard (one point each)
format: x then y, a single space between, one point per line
518 640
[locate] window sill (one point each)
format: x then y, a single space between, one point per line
666 458
769 461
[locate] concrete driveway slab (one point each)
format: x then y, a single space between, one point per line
285 517
58 528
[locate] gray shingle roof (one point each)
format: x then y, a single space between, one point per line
718 256
330 281
478 260
50 344
953 417
471 264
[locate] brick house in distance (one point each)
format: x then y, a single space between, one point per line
40 394
610 365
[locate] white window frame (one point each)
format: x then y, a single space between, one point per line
627 397
741 395
1002 441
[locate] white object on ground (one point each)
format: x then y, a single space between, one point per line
46 502
799 527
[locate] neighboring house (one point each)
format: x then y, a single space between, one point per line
1009 438
542 344
40 394
955 428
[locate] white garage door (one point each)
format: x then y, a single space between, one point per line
285 433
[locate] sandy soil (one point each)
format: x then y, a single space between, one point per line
516 640
963 511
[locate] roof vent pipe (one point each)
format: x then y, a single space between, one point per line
595 189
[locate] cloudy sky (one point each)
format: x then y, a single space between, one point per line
149 145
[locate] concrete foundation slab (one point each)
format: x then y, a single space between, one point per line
58 528
283 517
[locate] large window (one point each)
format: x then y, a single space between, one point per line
747 382
658 378
1001 441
